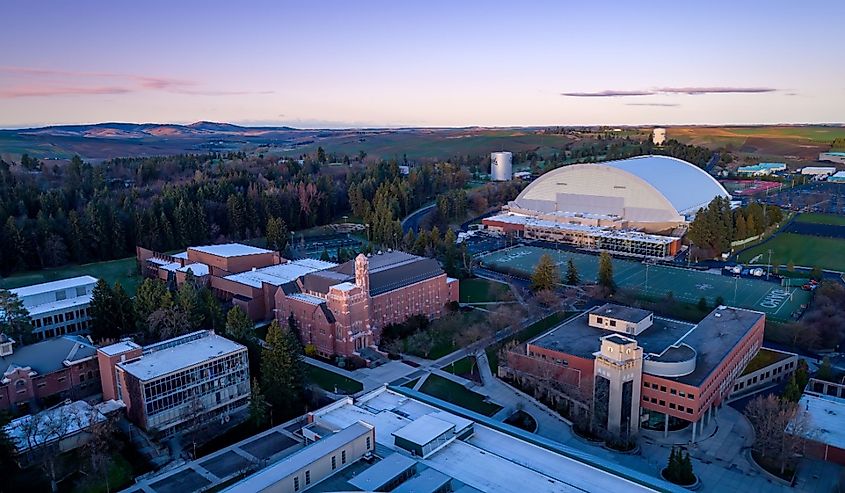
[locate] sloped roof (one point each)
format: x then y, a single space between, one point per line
48 356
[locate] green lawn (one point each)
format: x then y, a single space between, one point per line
817 218
124 270
763 359
525 334
449 391
482 290
329 380
443 331
827 253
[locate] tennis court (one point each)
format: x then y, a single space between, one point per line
655 281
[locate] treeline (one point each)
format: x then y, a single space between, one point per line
84 213
716 226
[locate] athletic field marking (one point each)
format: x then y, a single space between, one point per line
703 287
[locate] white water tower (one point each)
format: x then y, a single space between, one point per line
659 136
501 166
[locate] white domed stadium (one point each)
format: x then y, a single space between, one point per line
650 192
622 199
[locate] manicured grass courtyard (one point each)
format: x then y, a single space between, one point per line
124 270
331 381
483 290
816 218
815 251
449 391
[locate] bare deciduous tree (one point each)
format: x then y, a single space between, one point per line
780 429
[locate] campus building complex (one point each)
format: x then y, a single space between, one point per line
58 307
177 383
637 368
402 442
340 309
610 205
52 370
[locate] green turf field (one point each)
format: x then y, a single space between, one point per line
807 251
656 281
123 270
816 218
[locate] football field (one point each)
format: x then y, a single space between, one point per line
655 281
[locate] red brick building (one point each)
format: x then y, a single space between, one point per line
60 368
343 309
675 369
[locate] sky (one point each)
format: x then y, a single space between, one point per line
421 63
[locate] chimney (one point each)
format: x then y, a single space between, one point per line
6 344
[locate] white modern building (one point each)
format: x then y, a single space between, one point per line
651 193
833 157
818 171
58 307
659 136
501 166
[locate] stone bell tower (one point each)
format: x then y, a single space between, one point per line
362 273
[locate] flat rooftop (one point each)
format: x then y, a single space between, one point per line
118 347
424 429
622 312
268 477
825 415
46 287
277 275
229 250
713 338
489 460
169 359
376 476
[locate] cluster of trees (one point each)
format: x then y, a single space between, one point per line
82 213
14 318
775 448
679 468
798 381
156 313
823 324
716 226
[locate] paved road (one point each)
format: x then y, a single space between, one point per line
412 222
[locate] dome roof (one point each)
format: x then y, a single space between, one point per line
641 189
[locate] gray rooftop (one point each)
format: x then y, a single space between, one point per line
621 312
384 471
713 338
49 356
388 271
305 457
427 481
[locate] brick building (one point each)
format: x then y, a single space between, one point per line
52 370
174 384
342 309
640 368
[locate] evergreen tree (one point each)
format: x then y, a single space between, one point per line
149 298
277 234
702 304
258 412
546 274
14 318
605 274
825 371
7 447
792 393
450 254
189 301
238 325
103 311
282 372
124 312
325 255
572 277
686 474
